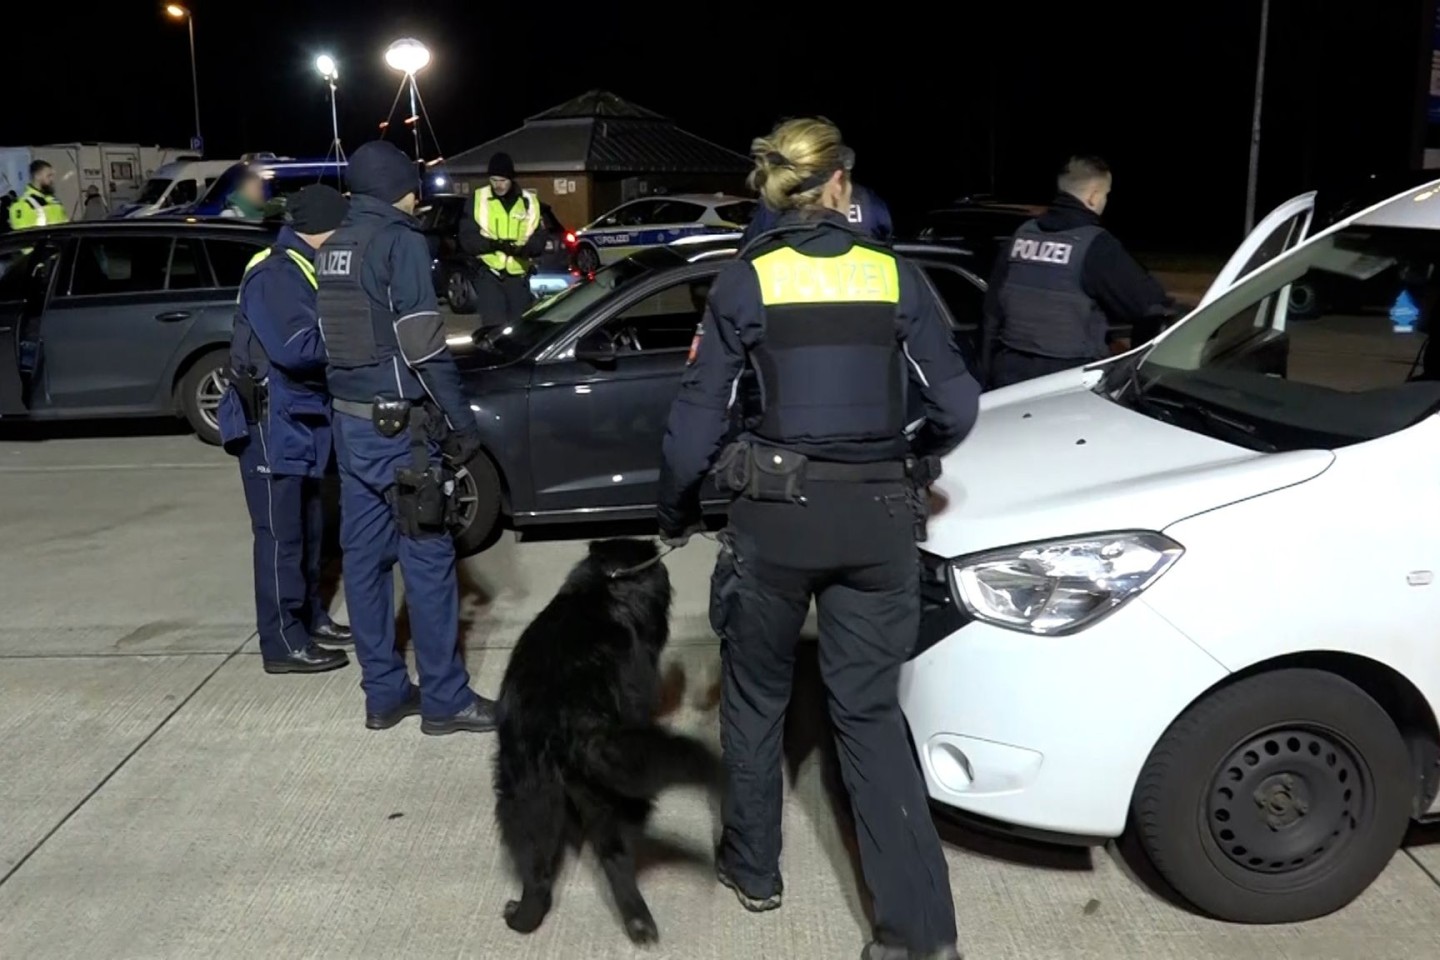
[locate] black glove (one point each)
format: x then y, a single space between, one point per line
460 447
509 248
675 540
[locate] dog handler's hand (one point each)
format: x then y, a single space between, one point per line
677 540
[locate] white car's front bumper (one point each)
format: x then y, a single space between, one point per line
1047 733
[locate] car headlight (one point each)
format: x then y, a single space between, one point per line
1061 586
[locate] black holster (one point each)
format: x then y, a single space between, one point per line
254 398
921 473
422 497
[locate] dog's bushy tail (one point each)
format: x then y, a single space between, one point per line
639 762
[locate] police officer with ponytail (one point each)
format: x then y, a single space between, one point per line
398 404
838 331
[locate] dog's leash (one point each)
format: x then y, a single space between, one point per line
641 567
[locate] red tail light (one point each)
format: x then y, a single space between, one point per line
569 238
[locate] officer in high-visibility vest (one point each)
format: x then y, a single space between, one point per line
837 330
275 416
506 232
37 206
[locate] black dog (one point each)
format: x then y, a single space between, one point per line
579 746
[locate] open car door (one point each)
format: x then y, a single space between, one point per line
1286 226
26 273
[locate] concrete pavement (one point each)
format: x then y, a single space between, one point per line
160 797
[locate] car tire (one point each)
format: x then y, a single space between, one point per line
460 292
1304 302
1277 799
478 496
587 258
198 394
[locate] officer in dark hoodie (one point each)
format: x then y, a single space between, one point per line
399 404
1063 283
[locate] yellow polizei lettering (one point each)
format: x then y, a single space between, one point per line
859 276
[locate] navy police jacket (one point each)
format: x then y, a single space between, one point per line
277 342
840 332
868 214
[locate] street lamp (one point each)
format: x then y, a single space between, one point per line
326 65
409 57
178 12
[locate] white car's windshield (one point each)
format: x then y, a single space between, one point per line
1326 347
154 189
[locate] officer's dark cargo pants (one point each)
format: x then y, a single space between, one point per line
852 548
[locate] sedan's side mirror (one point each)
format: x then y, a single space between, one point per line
595 348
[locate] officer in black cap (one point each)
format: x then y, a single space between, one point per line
275 417
837 329
506 232
1065 282
398 403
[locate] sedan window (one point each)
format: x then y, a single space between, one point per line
665 320
112 265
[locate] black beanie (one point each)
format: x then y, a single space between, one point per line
317 209
501 166
378 169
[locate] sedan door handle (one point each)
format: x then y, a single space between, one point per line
172 316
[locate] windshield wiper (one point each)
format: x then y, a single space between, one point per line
1220 426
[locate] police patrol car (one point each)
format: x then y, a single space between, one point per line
655 222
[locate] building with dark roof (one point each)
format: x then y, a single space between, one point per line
594 152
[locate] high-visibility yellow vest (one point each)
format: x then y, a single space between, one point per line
517 225
34 208
303 262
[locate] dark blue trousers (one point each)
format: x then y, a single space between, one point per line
373 545
288 522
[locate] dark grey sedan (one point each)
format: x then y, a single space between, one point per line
121 318
572 400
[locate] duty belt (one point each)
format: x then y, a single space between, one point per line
353 408
829 471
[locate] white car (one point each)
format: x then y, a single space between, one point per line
655 222
174 185
1191 592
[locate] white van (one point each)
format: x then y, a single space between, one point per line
1191 592
175 185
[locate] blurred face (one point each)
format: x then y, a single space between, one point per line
253 190
45 180
500 186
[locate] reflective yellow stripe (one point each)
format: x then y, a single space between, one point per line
300 259
498 223
860 276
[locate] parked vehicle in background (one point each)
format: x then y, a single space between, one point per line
282 176
655 222
178 184
454 271
979 225
572 400
1189 592
132 318
117 170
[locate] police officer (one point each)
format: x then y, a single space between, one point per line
836 329
37 206
397 400
867 214
1064 282
275 416
507 232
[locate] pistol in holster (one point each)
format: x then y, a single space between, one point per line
921 472
766 474
423 495
254 398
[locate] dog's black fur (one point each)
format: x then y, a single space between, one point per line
579 746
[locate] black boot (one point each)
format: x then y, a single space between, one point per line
308 659
333 635
409 707
479 717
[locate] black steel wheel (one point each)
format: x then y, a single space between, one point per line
1276 799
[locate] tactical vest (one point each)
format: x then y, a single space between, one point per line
363 356
1046 309
830 365
518 224
247 353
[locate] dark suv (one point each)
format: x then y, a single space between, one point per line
979 225
454 271
121 318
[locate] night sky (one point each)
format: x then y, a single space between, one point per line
936 105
